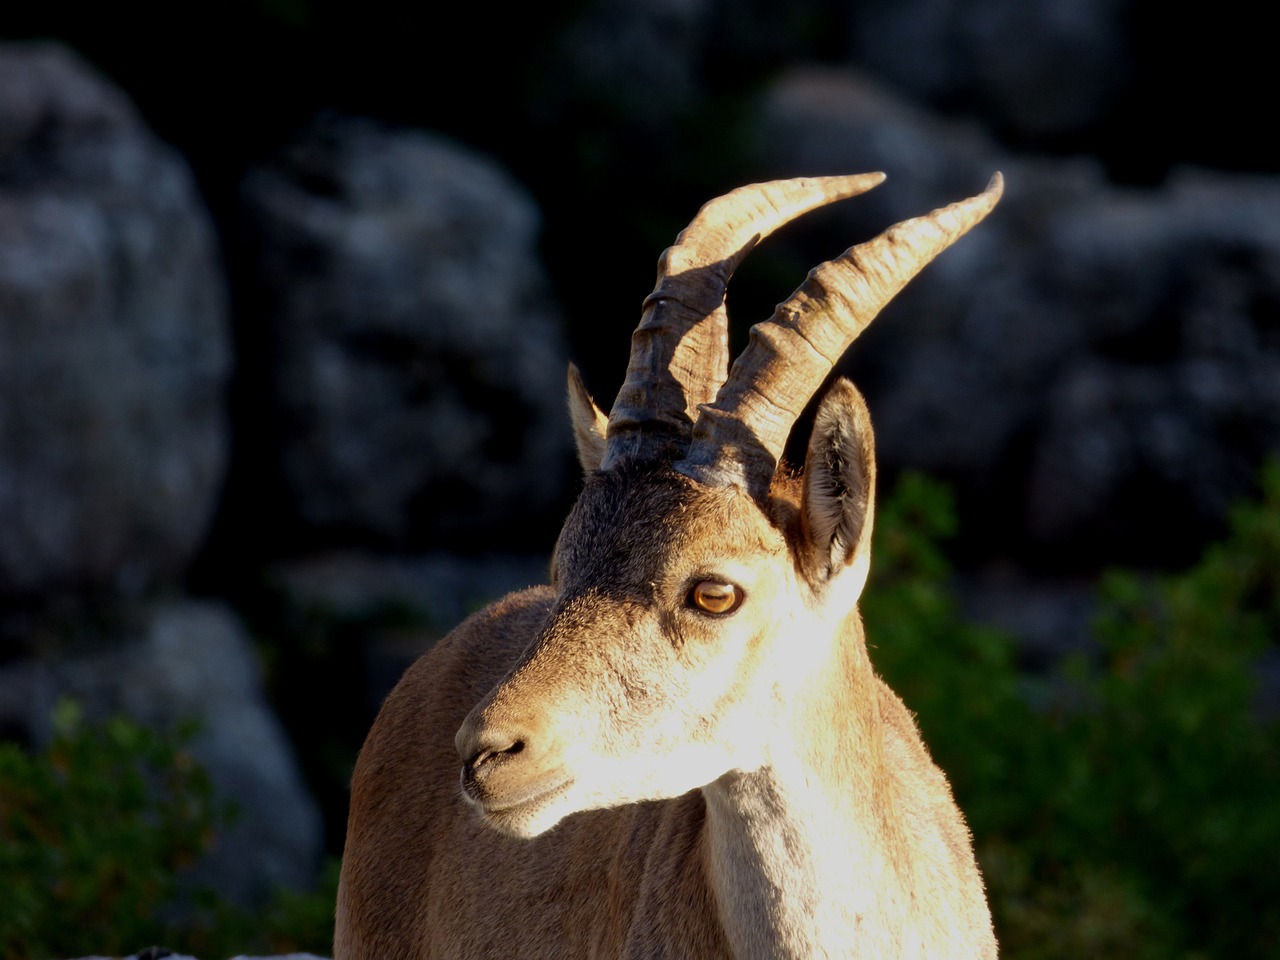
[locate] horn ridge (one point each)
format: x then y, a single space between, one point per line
680 350
739 438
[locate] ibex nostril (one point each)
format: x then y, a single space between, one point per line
499 743
480 767
486 748
489 756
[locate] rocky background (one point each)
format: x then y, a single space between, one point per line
286 298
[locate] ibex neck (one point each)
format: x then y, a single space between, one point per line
802 858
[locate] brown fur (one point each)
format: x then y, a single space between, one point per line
426 877
615 766
578 889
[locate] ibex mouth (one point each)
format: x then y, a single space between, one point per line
522 810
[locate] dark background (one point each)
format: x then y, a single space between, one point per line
618 153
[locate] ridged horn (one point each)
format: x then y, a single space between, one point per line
680 350
739 438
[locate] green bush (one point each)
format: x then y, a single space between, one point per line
1132 812
97 835
1136 812
94 832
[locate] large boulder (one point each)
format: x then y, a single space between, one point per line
1095 367
1160 425
1038 69
114 349
418 363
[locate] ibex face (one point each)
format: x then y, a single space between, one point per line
657 671
695 581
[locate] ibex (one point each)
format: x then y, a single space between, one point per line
679 748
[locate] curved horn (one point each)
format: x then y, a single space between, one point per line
680 350
739 438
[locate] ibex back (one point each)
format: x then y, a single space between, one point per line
679 748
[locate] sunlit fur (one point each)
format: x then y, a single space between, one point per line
686 785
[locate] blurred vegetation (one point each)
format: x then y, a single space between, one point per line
1127 807
1132 812
1123 808
98 837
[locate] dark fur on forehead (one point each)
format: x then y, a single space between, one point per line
636 510
622 511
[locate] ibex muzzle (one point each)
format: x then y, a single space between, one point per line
689 704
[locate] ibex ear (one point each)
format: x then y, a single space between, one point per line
589 423
839 490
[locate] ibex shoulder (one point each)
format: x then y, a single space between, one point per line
393 834
431 698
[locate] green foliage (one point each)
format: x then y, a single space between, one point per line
1132 813
294 921
98 833
1138 814
94 832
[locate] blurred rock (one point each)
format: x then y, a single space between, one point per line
438 589
826 120
401 605
1096 368
1050 618
114 350
639 56
1037 68
419 364
957 366
1161 426
172 662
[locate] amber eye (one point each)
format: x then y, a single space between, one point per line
712 596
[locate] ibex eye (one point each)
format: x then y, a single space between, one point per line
711 596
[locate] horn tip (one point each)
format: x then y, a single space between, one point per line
995 187
853 184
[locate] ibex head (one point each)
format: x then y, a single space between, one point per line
703 590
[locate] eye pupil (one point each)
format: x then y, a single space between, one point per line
715 597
